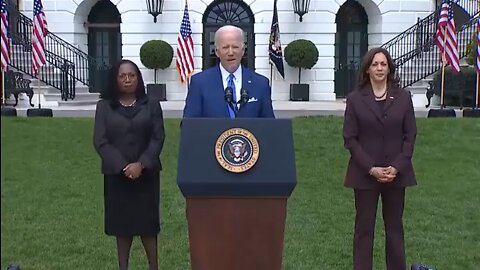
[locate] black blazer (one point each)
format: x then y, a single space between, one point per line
120 140
377 137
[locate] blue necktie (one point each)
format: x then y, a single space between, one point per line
231 84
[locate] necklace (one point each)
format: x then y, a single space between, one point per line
129 105
379 97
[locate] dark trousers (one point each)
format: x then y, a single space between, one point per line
366 201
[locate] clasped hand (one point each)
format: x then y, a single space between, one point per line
384 174
133 170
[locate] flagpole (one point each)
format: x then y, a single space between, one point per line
3 88
271 74
444 60
478 90
478 62
38 88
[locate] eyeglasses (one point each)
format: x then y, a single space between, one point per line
124 76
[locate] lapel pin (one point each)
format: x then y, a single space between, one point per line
249 81
391 97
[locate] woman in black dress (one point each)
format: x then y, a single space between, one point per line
129 136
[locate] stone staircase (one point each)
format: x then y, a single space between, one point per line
82 96
50 96
419 89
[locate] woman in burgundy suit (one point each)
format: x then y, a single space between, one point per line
379 131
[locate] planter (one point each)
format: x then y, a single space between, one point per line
157 92
441 113
8 111
299 92
43 112
471 113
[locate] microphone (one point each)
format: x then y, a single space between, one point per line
229 99
243 96
228 95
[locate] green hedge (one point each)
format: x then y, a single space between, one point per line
459 87
471 50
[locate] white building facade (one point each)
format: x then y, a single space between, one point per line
342 30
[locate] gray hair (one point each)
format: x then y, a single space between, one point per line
227 28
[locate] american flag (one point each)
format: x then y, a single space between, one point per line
185 48
40 31
478 46
5 40
447 37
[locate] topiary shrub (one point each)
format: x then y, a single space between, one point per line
301 53
156 54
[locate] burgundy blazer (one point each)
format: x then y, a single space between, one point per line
377 137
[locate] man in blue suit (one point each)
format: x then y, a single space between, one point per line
206 97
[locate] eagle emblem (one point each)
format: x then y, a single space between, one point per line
237 150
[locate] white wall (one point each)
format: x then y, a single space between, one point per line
386 19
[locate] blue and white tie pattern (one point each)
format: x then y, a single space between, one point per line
231 84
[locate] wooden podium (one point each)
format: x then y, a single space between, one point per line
236 220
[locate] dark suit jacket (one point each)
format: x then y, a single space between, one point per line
120 140
206 97
378 137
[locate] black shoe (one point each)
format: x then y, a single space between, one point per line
13 266
419 266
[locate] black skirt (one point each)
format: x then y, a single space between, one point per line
132 206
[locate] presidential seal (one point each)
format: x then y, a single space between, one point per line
237 150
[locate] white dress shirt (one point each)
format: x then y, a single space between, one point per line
237 80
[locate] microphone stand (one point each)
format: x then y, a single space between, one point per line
229 100
243 98
235 106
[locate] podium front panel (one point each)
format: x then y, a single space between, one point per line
200 174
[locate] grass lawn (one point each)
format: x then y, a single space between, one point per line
52 199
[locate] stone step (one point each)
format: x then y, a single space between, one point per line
49 72
47 89
417 89
94 97
79 103
79 86
78 89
